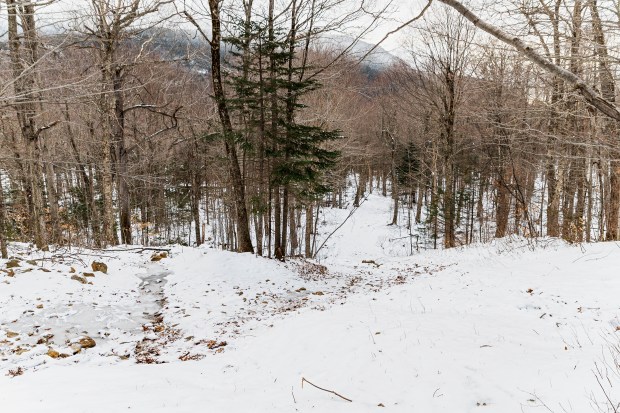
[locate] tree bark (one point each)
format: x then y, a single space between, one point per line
3 243
244 241
308 233
26 101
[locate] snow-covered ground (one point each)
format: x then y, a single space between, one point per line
505 327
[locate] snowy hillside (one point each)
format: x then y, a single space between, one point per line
506 327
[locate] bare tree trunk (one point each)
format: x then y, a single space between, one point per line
420 199
285 209
196 196
293 231
3 244
277 221
503 201
308 234
109 234
244 240
122 170
361 188
608 91
26 101
553 200
93 209
394 179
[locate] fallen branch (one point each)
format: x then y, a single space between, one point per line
138 249
325 390
339 226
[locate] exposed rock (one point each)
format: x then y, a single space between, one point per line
158 256
99 266
32 262
88 274
72 270
86 342
45 339
318 293
79 279
53 353
11 334
12 263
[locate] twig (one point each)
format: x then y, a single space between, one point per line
320 388
399 28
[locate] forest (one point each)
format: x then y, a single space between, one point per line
309 206
156 122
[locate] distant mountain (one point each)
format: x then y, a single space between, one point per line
377 60
177 44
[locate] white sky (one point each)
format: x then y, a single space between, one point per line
399 11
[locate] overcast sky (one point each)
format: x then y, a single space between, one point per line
399 11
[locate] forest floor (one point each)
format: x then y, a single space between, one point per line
504 327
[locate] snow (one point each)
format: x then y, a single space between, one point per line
511 326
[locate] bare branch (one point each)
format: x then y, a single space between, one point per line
589 93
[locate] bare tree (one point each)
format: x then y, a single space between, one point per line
24 55
3 241
111 24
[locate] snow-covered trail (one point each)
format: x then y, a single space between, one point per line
506 327
51 302
152 283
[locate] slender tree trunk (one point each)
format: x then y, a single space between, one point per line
196 196
52 198
93 209
293 231
361 188
122 169
24 83
107 185
285 208
308 233
3 224
244 239
503 201
277 221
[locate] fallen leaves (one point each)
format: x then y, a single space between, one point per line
79 279
213 344
16 372
191 357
